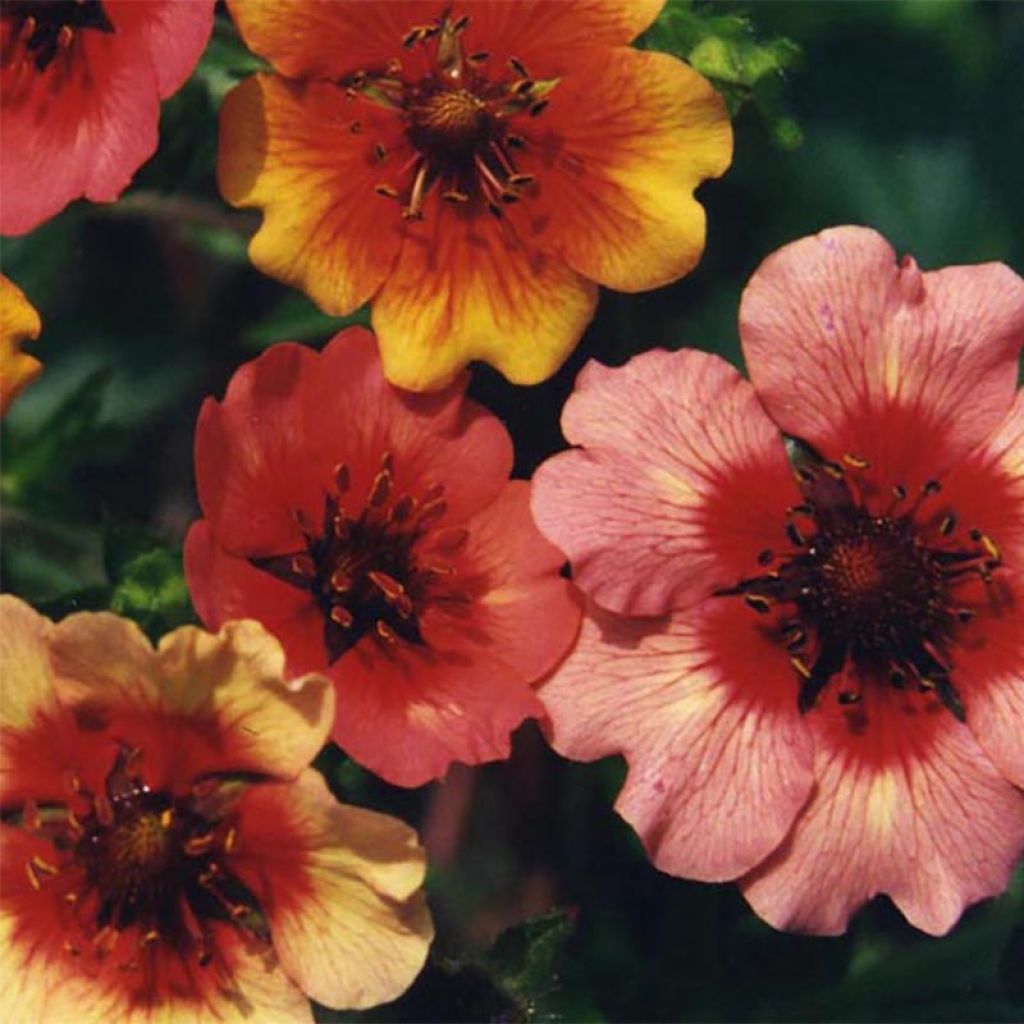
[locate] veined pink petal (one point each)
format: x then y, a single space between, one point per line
909 806
854 352
680 482
704 710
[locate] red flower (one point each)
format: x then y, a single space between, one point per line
796 717
166 853
81 83
475 169
377 534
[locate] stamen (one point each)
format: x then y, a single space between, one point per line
518 67
341 616
856 461
341 476
760 604
302 565
948 525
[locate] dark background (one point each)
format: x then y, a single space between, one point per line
911 117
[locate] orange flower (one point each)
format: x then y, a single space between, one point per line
166 853
474 168
18 322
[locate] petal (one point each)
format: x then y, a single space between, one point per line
521 592
627 137
217 702
78 130
313 39
291 150
25 678
175 33
856 353
291 416
225 587
18 322
465 287
408 715
987 492
681 482
908 806
704 710
342 888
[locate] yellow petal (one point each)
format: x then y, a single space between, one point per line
26 683
18 322
345 903
464 288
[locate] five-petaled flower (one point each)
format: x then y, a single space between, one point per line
825 697
473 168
18 322
166 853
378 535
80 89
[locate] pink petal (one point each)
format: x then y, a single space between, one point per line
679 483
909 806
704 709
856 353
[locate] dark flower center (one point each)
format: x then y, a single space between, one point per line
367 571
875 590
459 116
131 857
47 27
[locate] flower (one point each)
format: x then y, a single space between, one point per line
473 168
18 322
81 84
166 854
377 534
816 680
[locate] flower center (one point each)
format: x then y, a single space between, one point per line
459 117
374 573
47 27
879 591
133 858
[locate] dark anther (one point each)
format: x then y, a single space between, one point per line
795 536
760 604
765 557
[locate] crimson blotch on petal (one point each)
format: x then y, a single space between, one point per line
377 534
809 649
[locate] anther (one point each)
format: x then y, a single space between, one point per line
460 24
303 565
65 36
521 180
45 866
104 940
196 846
801 666
33 878
964 614
355 127
341 616
899 492
539 107
450 541
856 461
948 525
71 782
479 57
30 816
804 475
385 632
760 604
380 489
454 196
432 511
931 487
991 550
522 87
518 67
387 585
834 469
386 190
149 938
304 523
340 581
897 678
104 812
515 141
402 509
379 152
71 898
765 557
847 697
341 477
166 818
794 535
230 839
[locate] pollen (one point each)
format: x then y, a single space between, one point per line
455 118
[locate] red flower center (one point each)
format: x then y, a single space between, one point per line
365 570
45 28
133 858
880 591
458 118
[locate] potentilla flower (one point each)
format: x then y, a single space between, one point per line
473 168
378 535
813 665
166 853
80 89
19 322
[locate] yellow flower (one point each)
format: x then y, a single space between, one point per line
166 853
475 169
18 322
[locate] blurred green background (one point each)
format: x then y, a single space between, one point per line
906 116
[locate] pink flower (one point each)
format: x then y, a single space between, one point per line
814 667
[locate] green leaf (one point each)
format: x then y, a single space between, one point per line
296 318
152 592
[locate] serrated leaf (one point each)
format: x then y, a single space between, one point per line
152 592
